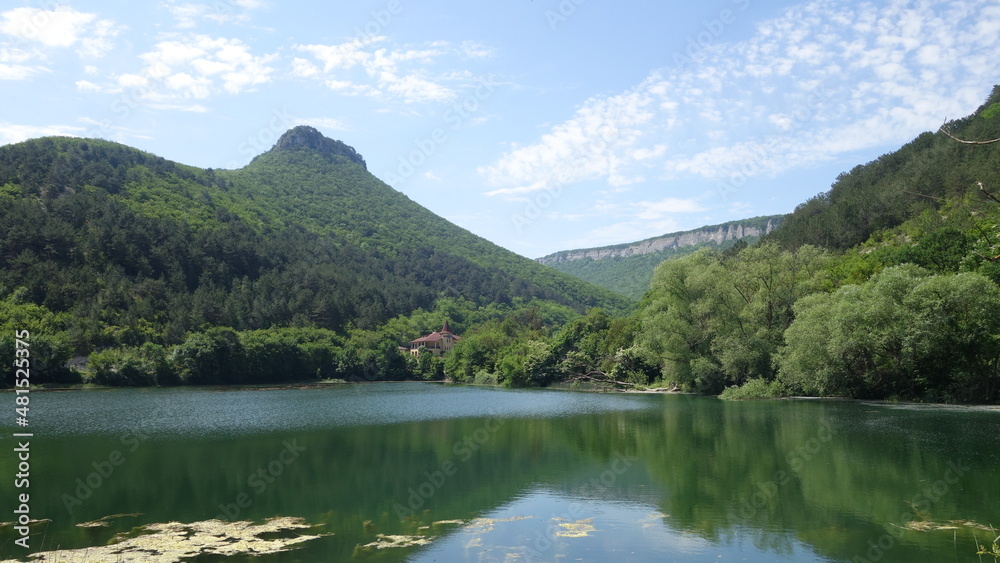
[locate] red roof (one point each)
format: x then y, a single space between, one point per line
437 336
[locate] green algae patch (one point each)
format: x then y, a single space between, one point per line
578 529
925 526
654 519
484 525
385 541
106 521
173 542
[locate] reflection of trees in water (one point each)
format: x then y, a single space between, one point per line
831 475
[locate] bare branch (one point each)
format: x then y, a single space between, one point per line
598 376
982 231
922 195
988 258
988 194
985 235
945 130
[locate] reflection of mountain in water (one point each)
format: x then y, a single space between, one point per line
687 477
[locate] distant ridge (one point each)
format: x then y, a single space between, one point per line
731 231
628 268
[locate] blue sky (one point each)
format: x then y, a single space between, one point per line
541 125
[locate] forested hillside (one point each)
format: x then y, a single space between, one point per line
302 265
926 174
884 287
105 247
628 268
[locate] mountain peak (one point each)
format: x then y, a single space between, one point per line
310 137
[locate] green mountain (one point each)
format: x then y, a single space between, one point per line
628 268
919 177
125 247
885 286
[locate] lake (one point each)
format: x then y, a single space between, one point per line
428 472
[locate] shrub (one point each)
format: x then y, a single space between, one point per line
123 367
757 388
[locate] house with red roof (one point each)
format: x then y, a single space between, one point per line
436 343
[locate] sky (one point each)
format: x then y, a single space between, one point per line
540 125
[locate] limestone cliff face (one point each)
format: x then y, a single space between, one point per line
715 233
305 136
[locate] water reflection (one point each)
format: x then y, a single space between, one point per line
546 526
585 476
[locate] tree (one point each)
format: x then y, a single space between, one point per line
428 366
48 343
674 323
215 356
906 333
274 355
715 320
146 365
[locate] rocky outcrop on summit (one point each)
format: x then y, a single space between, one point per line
715 233
309 137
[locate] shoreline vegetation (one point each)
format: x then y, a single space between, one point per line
885 287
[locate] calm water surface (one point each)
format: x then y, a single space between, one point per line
451 473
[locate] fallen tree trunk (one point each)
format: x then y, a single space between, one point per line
600 377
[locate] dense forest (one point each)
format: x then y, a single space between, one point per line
884 287
304 266
133 260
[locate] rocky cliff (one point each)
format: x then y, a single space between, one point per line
716 233
309 137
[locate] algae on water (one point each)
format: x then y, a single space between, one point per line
173 542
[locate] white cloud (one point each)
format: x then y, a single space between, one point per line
351 88
740 209
195 67
62 27
190 108
15 133
327 123
648 153
825 78
658 210
19 72
630 230
301 68
367 66
633 220
108 130
415 88
474 50
132 81
100 41
597 142
190 14
88 86
557 216
14 55
341 56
